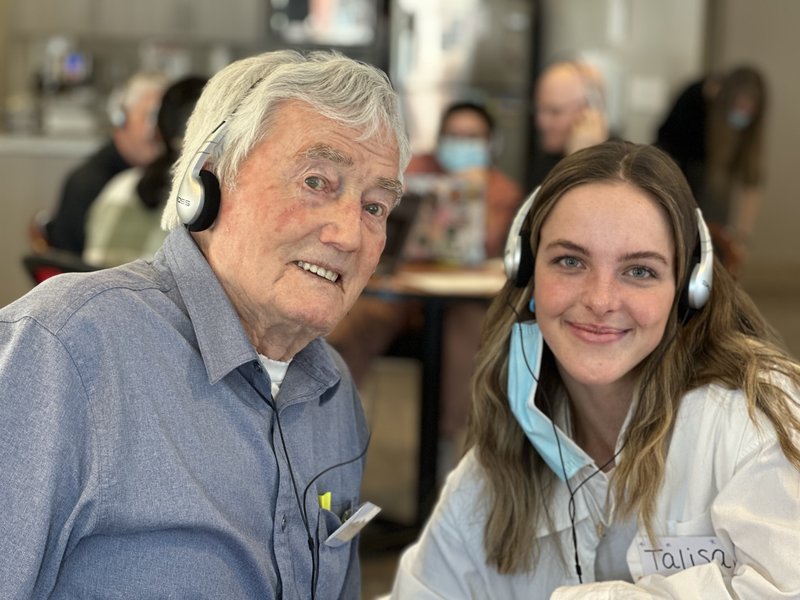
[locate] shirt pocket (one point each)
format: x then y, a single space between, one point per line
699 525
333 561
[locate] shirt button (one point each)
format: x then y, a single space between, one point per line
257 366
283 523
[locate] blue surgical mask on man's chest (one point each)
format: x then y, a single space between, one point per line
458 153
561 454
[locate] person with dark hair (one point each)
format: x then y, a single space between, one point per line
714 132
124 222
134 142
464 150
635 422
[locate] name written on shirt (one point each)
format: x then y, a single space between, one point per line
673 554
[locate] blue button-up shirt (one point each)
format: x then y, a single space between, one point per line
142 454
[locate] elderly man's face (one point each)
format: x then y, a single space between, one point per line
297 240
560 98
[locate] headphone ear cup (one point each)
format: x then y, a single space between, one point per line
524 271
210 202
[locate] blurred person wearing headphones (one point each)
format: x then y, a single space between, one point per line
134 142
124 222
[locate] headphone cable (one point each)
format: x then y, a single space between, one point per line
571 504
313 541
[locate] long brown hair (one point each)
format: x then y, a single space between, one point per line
726 342
734 156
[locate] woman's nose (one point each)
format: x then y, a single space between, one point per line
601 293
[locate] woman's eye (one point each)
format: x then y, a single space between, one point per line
315 183
569 261
641 272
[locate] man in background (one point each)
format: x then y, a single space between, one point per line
134 142
569 114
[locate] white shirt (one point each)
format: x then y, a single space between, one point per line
276 369
726 484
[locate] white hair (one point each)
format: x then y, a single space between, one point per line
248 93
124 97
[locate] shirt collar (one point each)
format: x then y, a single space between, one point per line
222 341
221 338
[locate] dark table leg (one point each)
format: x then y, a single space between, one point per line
431 354
383 533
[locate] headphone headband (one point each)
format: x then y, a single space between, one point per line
198 195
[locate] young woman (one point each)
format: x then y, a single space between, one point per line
629 439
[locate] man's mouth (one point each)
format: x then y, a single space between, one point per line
331 276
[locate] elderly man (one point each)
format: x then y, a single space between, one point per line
178 428
570 114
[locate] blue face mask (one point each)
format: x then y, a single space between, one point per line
739 119
457 154
561 454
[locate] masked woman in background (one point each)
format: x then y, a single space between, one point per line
464 149
635 427
714 132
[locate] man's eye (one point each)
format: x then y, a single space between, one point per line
315 183
375 209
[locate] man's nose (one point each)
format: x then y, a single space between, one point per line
342 227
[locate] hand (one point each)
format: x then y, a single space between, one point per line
589 128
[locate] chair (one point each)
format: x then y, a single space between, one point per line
43 265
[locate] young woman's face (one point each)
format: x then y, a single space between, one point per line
604 281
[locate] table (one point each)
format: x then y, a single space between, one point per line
435 287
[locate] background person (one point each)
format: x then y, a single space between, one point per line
178 427
134 142
464 148
569 114
124 222
612 419
714 132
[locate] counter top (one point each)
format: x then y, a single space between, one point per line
40 145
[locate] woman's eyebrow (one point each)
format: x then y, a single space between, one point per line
645 255
567 245
628 256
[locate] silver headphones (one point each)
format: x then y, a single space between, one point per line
518 258
198 195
